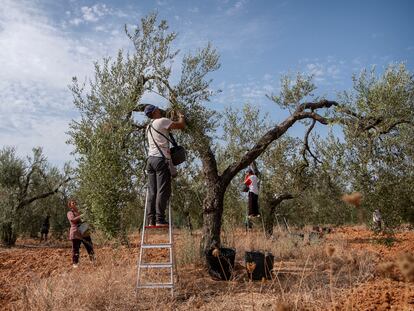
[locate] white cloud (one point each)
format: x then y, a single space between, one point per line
31 49
253 91
76 21
37 61
162 2
45 131
100 28
194 10
267 77
236 7
317 70
325 71
95 12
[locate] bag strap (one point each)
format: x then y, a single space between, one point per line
171 139
153 140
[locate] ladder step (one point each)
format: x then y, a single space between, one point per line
156 227
161 245
156 265
156 285
167 264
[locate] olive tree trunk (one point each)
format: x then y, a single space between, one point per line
273 205
216 184
8 234
213 211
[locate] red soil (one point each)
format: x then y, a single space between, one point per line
22 265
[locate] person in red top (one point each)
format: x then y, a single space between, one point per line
75 236
251 181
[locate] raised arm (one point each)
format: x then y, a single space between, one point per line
178 125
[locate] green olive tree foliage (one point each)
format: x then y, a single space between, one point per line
379 147
187 198
27 189
110 145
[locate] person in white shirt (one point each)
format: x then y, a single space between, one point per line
159 176
377 219
251 181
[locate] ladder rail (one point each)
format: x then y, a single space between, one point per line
148 265
142 241
170 236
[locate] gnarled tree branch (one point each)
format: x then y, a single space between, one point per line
274 133
394 125
25 202
280 198
306 147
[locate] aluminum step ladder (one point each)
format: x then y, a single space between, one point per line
145 245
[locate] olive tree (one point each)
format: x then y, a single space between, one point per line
379 147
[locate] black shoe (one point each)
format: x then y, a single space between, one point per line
151 221
162 223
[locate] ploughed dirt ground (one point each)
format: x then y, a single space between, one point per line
387 290
348 269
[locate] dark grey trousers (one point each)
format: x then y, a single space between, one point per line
159 188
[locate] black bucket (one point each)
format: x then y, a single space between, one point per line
262 267
221 267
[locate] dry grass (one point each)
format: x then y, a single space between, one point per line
309 275
104 287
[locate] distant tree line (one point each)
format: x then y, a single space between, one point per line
30 189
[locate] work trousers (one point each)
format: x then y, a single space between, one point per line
159 188
253 204
76 243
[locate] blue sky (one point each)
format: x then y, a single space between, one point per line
43 43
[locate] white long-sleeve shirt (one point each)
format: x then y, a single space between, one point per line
252 182
376 216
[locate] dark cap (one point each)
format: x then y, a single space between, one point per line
149 109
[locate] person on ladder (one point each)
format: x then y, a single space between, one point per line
251 181
159 166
